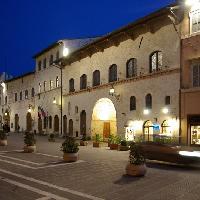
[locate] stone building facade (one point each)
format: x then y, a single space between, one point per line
125 83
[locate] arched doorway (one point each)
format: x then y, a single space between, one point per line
83 123
28 122
39 125
104 120
16 122
56 124
6 118
65 125
71 127
148 131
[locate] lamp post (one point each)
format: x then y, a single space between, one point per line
59 65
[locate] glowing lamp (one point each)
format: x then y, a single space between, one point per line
29 110
65 52
112 91
54 100
191 2
146 112
165 110
6 114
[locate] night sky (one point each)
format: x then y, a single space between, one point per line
28 26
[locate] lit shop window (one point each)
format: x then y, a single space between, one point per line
195 134
195 21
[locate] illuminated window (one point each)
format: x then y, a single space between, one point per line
26 94
131 68
155 61
57 81
83 82
96 78
196 75
113 73
51 85
195 21
195 134
71 85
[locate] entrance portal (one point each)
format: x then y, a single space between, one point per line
148 131
28 122
104 120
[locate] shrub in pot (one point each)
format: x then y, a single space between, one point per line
70 149
123 145
29 141
114 142
97 140
136 165
3 138
51 137
83 141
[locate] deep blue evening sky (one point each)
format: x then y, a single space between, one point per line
28 26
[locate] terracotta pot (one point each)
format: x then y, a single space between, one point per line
114 146
29 149
83 143
3 142
70 157
96 144
123 148
136 170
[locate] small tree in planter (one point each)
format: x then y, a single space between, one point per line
114 143
70 149
3 138
51 137
83 141
136 165
97 140
29 141
123 146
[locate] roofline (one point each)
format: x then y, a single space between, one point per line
18 77
55 44
137 22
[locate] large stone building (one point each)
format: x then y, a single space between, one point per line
126 83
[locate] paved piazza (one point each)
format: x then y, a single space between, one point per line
99 174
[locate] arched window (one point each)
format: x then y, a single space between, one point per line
156 61
132 103
148 101
57 82
83 122
71 85
96 78
32 92
45 122
83 82
26 94
50 122
51 60
113 73
131 68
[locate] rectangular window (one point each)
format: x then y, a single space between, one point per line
44 63
195 135
20 96
15 97
39 89
45 85
196 75
39 65
51 85
195 21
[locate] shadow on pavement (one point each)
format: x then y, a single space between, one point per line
125 179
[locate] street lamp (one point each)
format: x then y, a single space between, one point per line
59 65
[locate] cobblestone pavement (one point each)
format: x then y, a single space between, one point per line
99 174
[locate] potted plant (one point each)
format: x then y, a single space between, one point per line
123 146
114 143
70 149
97 139
29 141
51 137
110 138
136 165
3 139
83 141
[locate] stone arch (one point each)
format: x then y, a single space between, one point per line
28 122
83 122
56 123
104 120
148 130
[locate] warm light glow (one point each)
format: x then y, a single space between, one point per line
4 87
191 2
129 135
29 110
54 100
112 91
6 114
165 110
146 112
190 153
65 51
